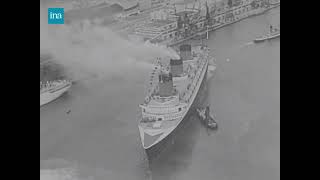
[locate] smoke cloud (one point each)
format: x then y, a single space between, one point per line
96 49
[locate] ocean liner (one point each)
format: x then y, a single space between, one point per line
50 91
172 97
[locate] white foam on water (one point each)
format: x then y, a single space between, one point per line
249 43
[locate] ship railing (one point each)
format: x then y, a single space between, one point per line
50 84
147 120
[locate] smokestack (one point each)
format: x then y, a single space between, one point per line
185 52
176 67
165 85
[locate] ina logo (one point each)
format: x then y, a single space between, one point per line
55 16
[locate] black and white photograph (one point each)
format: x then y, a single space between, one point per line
159 89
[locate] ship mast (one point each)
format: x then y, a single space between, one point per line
207 19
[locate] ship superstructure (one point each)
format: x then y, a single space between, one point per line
173 90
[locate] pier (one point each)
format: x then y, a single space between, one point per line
201 32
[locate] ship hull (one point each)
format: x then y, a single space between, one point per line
155 151
48 97
266 38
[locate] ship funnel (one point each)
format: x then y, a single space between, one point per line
185 52
165 85
176 67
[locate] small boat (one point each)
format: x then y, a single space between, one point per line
274 33
206 118
52 90
212 123
211 71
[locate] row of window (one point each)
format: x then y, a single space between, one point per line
165 117
169 26
179 110
170 35
243 10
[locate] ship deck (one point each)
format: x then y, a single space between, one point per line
180 83
185 86
55 86
156 126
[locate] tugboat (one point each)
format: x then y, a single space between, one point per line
274 33
206 118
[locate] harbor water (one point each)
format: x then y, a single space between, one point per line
99 137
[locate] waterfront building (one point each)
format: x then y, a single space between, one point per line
157 3
162 14
105 11
160 29
80 4
195 20
144 4
129 8
274 1
221 12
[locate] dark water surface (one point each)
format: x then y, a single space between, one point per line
100 137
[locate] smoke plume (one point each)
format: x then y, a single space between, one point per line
96 49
